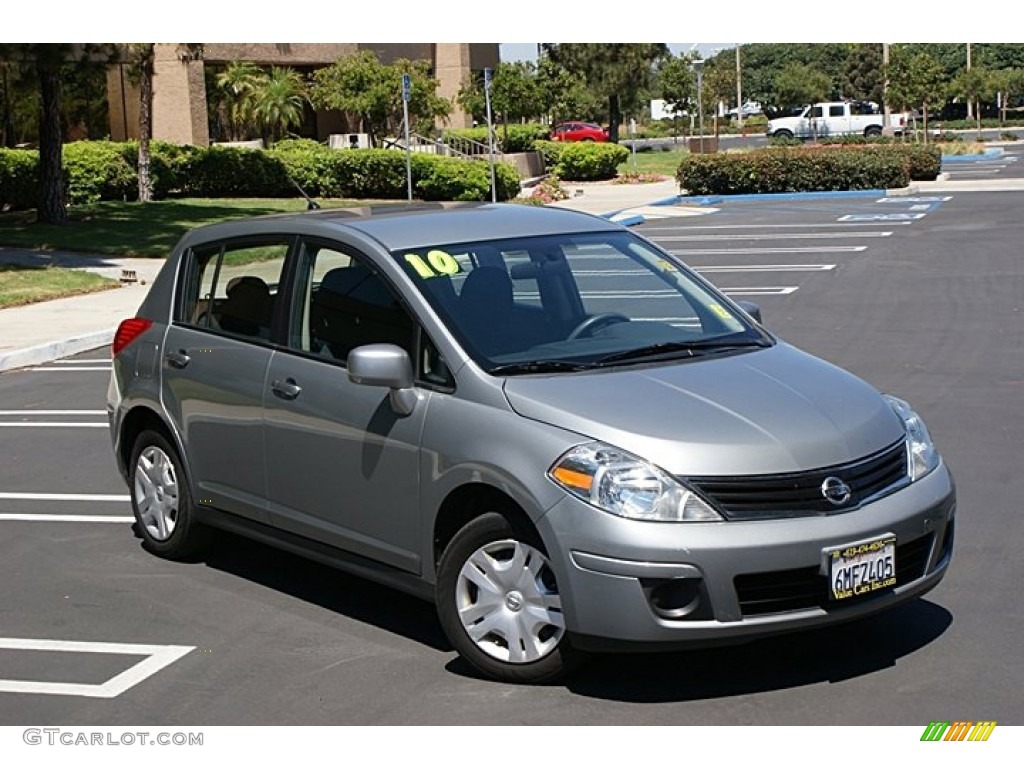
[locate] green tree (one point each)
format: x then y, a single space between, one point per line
236 85
862 73
916 80
361 85
678 85
619 73
1011 86
563 95
800 84
278 101
976 84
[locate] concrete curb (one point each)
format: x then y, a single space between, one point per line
54 350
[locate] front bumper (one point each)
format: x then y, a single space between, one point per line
627 581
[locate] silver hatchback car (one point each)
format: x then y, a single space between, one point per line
534 417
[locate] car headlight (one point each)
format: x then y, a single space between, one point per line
922 457
617 482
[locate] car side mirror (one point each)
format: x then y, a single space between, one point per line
751 309
385 365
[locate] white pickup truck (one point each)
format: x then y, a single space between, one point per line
836 118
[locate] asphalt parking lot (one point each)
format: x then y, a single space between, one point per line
922 296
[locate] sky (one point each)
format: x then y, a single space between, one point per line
752 21
528 51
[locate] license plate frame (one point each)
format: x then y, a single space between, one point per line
861 568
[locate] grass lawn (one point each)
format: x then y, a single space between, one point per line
25 285
657 161
136 229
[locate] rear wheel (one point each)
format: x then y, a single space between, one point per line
161 501
499 604
873 130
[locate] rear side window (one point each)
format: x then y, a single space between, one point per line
233 287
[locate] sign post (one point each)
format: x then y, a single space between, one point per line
406 89
490 132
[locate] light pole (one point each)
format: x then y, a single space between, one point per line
739 91
698 68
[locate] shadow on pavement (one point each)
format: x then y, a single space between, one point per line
788 661
351 596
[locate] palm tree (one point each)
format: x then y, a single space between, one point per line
278 101
238 83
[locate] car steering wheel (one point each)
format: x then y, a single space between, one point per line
588 326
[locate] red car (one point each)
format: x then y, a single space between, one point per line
579 132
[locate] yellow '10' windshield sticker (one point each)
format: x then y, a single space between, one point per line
719 310
436 264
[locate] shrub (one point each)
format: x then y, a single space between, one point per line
776 170
19 178
98 170
587 161
311 165
551 151
235 172
446 178
515 137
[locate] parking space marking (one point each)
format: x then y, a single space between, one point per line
736 251
767 268
783 290
919 199
6 495
886 217
31 412
88 361
44 518
70 368
157 657
61 424
850 224
774 236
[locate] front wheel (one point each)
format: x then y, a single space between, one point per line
499 605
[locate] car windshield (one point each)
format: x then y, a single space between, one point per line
574 301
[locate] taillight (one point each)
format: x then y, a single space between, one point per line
127 332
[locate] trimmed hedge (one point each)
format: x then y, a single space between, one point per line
19 178
516 137
582 160
810 169
106 171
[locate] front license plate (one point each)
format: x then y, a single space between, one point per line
862 568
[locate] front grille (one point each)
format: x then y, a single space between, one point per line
799 589
799 494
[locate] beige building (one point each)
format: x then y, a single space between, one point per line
179 83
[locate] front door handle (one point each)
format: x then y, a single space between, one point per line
286 389
178 359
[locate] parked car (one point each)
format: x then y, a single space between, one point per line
837 118
579 132
536 418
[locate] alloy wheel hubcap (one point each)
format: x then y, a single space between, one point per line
156 493
508 602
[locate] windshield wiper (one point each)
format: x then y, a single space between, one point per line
671 348
538 366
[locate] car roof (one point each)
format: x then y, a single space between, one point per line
401 226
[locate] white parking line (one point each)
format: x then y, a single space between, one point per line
64 496
784 290
822 225
767 268
52 413
735 251
95 424
95 361
70 369
157 657
43 518
775 236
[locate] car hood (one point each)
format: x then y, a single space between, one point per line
766 411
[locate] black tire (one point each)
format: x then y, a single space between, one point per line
872 130
545 655
161 502
783 134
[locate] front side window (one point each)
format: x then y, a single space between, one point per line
233 287
573 301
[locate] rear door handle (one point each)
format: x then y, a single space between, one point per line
178 359
286 389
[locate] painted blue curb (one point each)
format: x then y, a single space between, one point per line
986 155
